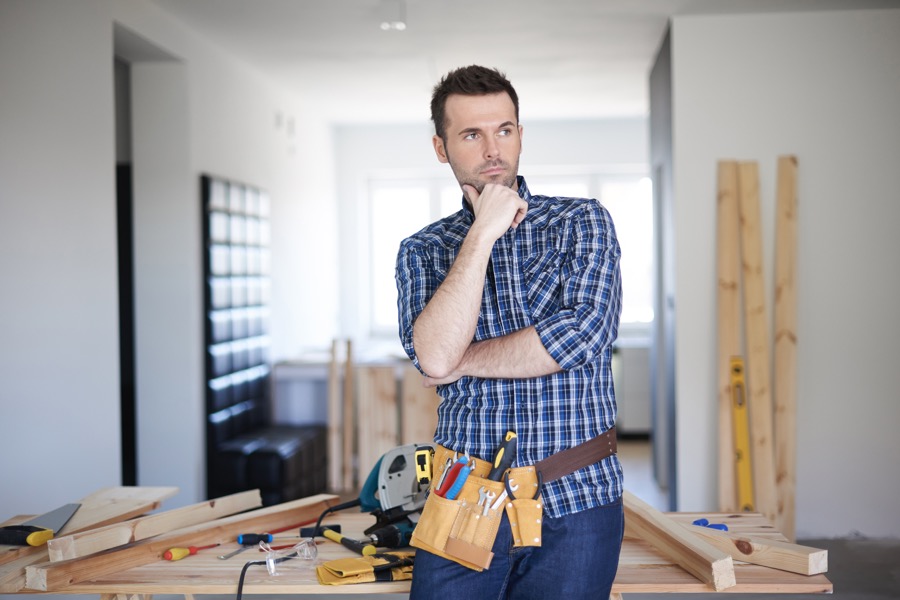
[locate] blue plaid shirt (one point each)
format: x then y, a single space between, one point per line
558 271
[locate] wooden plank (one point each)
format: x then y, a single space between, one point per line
418 408
785 375
94 540
694 555
52 577
776 554
335 450
642 569
728 321
759 396
349 418
103 507
378 414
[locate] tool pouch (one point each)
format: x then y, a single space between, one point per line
525 517
461 530
526 511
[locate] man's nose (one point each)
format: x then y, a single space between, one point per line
491 148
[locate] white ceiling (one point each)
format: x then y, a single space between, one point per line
566 58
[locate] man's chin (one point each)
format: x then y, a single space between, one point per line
499 179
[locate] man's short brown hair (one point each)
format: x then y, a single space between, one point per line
468 81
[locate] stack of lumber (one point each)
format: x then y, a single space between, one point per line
767 483
112 532
375 406
709 554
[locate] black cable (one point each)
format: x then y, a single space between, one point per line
332 509
246 566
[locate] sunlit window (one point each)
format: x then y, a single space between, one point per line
399 208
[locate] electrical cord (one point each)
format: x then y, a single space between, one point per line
331 509
246 566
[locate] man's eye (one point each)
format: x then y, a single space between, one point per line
471 136
505 131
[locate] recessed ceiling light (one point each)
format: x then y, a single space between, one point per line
395 16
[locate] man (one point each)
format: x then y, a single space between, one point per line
510 307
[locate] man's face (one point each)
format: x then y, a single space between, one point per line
484 140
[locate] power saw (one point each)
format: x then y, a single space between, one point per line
394 493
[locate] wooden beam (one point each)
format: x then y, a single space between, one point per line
759 396
349 417
697 557
378 414
103 507
52 577
785 375
83 543
418 408
766 552
335 454
728 320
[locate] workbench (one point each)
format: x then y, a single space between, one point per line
641 569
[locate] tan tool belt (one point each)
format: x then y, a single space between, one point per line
463 529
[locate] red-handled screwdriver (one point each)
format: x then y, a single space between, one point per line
179 553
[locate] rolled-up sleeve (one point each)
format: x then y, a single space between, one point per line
415 287
591 292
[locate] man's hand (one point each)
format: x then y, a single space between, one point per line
496 208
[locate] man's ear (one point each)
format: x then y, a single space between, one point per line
439 149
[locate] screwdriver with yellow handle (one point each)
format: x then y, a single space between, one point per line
179 553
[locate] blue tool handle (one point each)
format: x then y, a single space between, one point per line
251 539
454 490
706 523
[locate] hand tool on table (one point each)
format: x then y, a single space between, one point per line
706 523
37 531
504 457
178 553
392 493
248 540
355 545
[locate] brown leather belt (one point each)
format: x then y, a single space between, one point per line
572 459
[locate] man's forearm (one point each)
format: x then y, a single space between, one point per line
519 355
445 328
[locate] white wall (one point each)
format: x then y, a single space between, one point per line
825 87
59 370
59 382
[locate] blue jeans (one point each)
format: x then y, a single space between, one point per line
578 558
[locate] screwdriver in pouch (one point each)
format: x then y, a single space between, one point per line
504 457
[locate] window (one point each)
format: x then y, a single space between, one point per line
400 207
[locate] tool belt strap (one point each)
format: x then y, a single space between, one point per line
578 457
